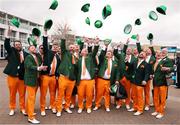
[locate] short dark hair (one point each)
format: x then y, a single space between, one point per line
17 41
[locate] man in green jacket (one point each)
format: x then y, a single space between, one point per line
15 71
33 67
85 77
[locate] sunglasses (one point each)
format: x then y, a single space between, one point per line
41 48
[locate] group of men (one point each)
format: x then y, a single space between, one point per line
80 70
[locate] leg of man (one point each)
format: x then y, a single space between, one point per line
163 92
127 85
43 91
81 91
22 91
99 91
68 93
52 91
12 85
147 93
107 94
156 99
140 98
89 92
31 91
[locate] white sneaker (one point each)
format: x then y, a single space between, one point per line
127 107
63 102
79 110
34 121
137 113
88 110
54 111
72 106
159 116
23 112
49 107
152 104
118 106
146 108
46 108
154 113
68 111
107 110
58 114
43 113
34 114
131 110
11 113
95 108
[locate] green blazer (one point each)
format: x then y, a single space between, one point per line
141 73
160 76
104 65
90 64
66 67
121 64
31 73
14 67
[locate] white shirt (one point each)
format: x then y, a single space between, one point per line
148 58
139 63
106 76
87 75
129 60
52 63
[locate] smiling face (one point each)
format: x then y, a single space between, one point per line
32 49
142 55
18 45
148 51
84 52
109 54
128 51
71 48
135 51
158 55
164 52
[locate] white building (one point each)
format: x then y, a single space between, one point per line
21 33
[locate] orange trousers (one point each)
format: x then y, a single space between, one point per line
133 92
65 92
102 89
31 97
85 89
147 93
160 98
47 82
138 103
16 85
127 84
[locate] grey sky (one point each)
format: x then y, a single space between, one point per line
166 30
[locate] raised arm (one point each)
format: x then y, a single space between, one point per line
7 45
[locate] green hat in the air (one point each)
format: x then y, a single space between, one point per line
48 24
107 41
98 24
36 32
134 37
127 29
32 41
78 40
150 36
138 22
85 7
54 5
106 11
15 22
153 15
87 21
162 9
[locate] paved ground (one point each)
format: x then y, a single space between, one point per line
120 116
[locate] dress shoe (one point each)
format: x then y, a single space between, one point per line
80 110
88 110
68 111
34 121
159 116
58 114
154 113
95 108
137 113
11 113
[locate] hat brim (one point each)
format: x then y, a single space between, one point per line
128 29
160 10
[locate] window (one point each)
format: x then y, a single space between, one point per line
1 34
